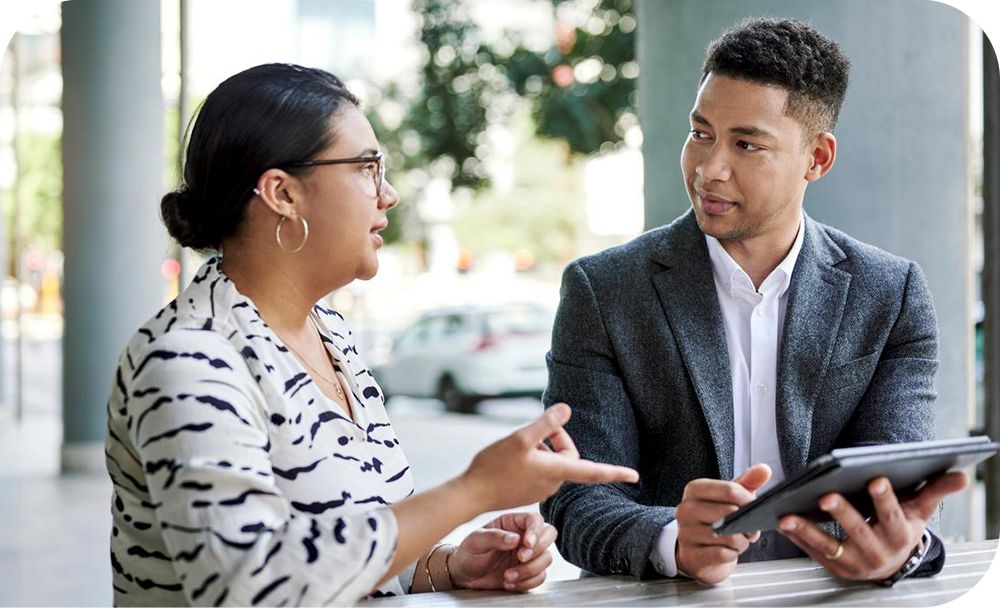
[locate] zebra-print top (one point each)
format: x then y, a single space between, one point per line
236 481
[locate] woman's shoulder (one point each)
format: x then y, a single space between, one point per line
201 315
173 335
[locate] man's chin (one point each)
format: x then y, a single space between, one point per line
719 227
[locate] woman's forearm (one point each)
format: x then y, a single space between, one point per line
425 518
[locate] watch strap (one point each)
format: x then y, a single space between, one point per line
911 564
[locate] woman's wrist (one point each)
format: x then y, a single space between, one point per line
447 568
437 569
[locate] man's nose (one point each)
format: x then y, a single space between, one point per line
713 166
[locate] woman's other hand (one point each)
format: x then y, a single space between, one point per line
520 469
510 552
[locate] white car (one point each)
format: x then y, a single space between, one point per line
464 355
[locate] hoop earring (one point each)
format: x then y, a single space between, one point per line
305 234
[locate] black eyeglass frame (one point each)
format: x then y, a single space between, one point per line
378 159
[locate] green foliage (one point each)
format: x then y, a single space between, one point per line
584 88
460 79
40 209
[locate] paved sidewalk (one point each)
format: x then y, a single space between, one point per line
54 541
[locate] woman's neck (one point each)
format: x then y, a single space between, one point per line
273 287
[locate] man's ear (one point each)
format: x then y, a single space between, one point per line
278 190
823 154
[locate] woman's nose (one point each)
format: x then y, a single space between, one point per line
388 197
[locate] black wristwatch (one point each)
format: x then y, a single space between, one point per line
910 565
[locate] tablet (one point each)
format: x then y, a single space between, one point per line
848 471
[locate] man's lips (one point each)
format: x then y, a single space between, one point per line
713 204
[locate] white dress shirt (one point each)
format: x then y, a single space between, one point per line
754 320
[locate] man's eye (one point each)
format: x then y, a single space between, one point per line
749 147
696 134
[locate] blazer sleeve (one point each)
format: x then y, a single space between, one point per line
898 405
602 528
231 534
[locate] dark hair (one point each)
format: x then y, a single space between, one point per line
791 55
264 117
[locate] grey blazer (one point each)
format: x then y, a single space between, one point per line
639 352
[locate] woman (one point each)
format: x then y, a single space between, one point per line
252 459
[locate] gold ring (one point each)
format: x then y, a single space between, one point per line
836 554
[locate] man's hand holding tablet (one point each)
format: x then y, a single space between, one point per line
878 548
883 497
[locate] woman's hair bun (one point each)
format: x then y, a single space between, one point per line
179 211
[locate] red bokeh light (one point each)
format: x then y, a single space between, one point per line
170 269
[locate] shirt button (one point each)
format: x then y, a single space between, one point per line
661 568
760 311
761 389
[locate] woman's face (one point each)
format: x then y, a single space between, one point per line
344 211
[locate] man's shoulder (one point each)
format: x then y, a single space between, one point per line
862 257
639 251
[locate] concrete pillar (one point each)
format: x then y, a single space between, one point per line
902 176
113 172
991 275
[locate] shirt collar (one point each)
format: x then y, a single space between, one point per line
735 279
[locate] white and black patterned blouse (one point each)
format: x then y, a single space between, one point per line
236 481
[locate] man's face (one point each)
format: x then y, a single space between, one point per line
745 164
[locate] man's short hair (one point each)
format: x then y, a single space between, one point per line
789 54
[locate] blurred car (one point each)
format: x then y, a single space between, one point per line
466 354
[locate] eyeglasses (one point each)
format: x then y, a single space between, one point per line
378 159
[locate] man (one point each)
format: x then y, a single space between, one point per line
744 340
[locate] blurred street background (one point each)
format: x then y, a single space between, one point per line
521 135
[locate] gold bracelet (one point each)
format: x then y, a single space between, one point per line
427 567
447 566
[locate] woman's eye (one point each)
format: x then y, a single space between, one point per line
369 169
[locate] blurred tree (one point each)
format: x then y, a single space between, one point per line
582 92
460 81
584 88
41 195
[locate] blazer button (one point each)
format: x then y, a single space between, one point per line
763 543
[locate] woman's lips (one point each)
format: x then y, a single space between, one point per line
714 205
379 241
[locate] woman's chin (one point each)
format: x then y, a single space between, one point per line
369 270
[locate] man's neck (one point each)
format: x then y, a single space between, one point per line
758 256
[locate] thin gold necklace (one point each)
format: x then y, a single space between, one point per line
335 383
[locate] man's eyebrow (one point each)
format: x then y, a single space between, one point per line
751 132
698 118
747 131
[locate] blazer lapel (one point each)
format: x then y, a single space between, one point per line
686 290
816 299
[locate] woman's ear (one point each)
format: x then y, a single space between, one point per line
823 154
278 190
